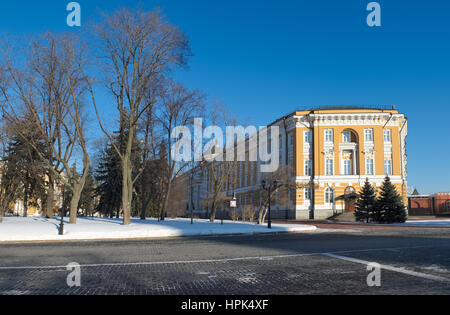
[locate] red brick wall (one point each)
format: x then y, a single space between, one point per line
441 203
424 205
420 206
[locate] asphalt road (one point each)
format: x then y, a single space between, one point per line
412 261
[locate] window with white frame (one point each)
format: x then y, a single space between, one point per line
387 136
346 137
329 135
308 168
329 165
308 136
308 193
348 168
370 170
329 195
388 167
368 135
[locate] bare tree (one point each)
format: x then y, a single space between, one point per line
139 49
179 108
7 189
178 203
50 89
282 186
219 168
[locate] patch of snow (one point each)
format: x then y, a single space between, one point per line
40 229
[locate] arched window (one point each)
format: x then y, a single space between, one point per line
329 195
349 136
349 190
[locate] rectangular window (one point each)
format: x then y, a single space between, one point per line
308 137
370 167
307 193
388 167
387 136
368 135
346 137
329 135
308 168
348 167
329 167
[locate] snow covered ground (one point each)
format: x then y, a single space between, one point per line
443 223
41 229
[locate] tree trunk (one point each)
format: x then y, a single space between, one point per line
76 195
166 200
262 214
212 216
143 209
49 212
144 202
126 202
25 202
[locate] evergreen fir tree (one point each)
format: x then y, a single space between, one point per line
23 165
390 204
87 198
365 205
109 177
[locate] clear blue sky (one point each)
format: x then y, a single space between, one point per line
264 59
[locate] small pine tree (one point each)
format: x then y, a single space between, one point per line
365 205
390 204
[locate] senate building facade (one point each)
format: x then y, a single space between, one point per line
337 149
331 151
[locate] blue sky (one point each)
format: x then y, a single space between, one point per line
264 59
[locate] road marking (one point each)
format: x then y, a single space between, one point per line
390 268
225 260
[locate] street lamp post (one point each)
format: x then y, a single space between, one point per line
233 202
269 188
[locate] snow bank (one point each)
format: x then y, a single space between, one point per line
41 229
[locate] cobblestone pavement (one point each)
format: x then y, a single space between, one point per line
417 261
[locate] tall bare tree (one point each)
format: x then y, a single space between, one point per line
138 49
179 108
7 189
50 90
219 169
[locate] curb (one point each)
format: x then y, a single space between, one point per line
389 225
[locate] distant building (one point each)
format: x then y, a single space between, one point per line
332 151
423 205
17 208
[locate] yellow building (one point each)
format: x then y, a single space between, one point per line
338 148
331 151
